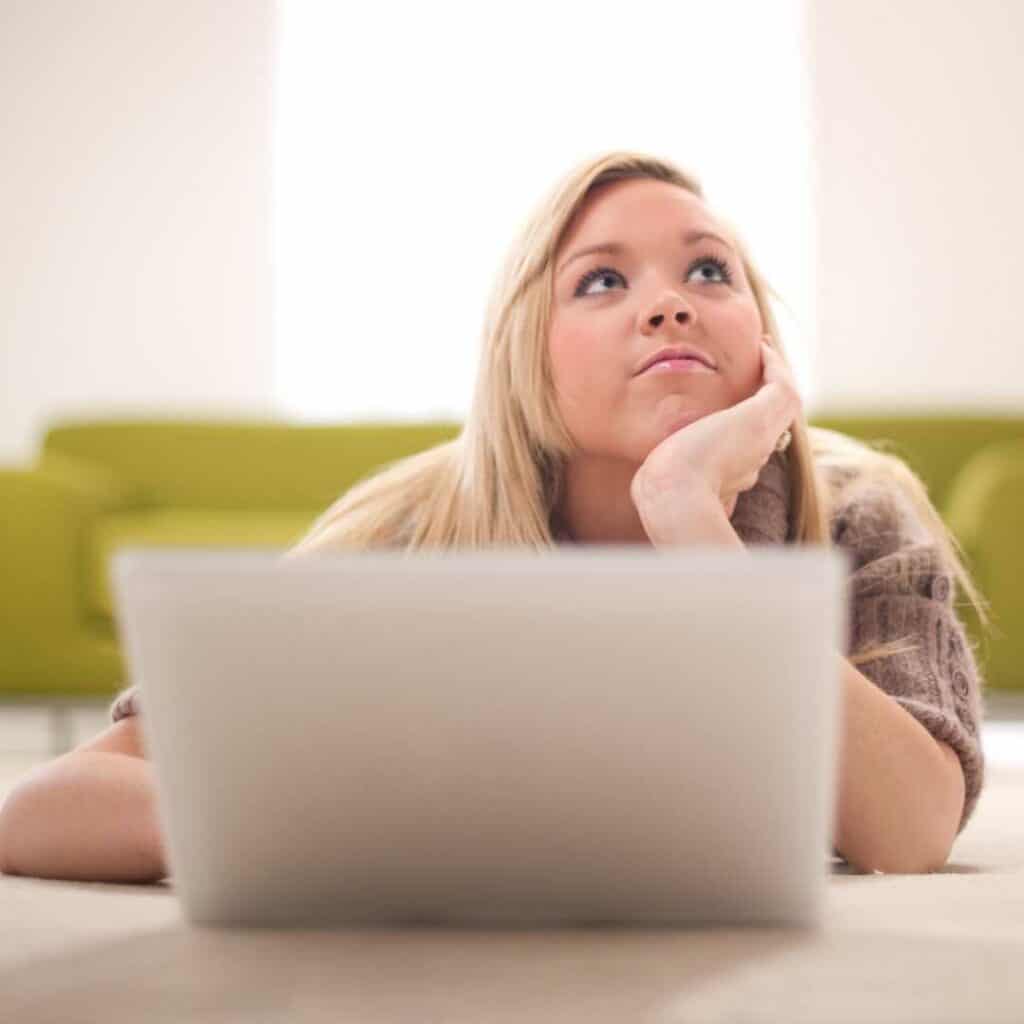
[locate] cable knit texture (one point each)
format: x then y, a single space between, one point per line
899 586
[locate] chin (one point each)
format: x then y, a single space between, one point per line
682 419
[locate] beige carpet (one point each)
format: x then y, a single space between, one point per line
935 948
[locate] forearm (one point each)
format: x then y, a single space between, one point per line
899 803
899 798
87 816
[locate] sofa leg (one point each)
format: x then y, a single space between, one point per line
61 729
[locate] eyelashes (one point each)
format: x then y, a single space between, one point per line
720 265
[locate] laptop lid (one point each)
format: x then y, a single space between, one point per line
593 735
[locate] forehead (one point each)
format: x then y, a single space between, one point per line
633 207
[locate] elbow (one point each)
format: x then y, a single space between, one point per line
938 832
921 858
83 817
922 851
937 855
913 836
900 863
941 823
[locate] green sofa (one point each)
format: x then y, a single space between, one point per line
98 485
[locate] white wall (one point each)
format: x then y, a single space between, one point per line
135 164
919 158
134 210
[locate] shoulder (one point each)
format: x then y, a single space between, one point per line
880 516
877 507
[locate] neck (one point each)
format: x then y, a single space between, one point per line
596 507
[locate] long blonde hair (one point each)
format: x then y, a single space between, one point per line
499 480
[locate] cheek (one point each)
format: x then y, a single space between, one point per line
744 362
745 375
577 362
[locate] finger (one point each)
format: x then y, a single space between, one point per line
779 392
777 372
774 367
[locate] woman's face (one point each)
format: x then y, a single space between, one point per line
613 311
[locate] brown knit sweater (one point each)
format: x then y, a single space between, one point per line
899 586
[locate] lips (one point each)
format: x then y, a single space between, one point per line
677 359
677 352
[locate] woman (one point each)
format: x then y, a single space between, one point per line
632 389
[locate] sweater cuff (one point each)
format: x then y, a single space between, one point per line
125 704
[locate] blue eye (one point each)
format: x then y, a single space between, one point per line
602 272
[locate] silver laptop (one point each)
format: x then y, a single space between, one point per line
600 735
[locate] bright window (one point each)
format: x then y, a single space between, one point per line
411 140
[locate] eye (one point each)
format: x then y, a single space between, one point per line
713 261
605 273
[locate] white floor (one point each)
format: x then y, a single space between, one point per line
1003 742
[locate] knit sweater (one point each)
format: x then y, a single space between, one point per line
899 585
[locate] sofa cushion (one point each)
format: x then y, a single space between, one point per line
179 527
935 446
274 465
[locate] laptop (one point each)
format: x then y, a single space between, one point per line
602 735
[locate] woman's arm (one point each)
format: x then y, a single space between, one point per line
88 815
901 792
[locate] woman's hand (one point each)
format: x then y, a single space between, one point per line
723 452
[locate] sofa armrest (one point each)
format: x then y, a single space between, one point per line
48 510
984 510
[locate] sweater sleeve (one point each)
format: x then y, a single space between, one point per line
901 586
126 703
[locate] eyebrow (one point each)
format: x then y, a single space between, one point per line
618 247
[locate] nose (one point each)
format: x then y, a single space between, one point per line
680 315
674 306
